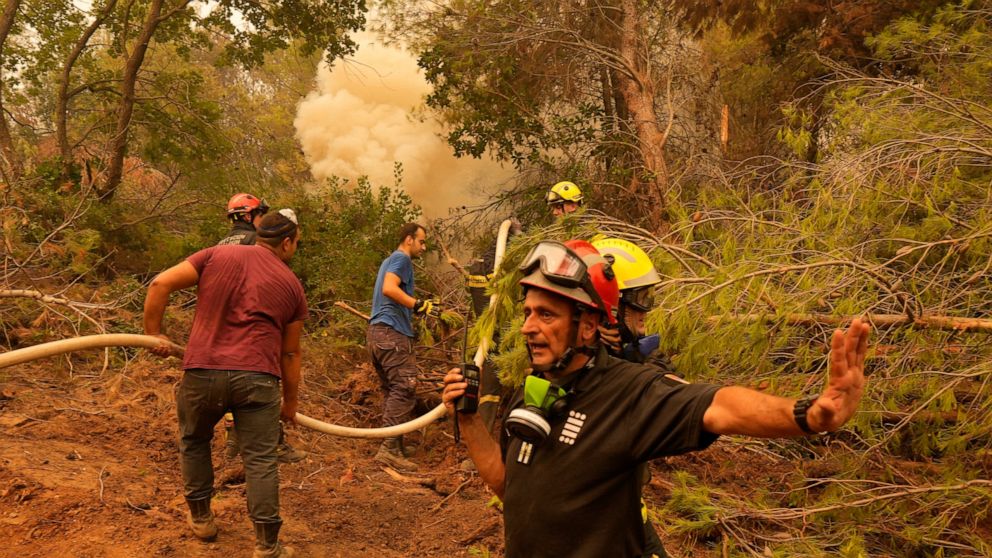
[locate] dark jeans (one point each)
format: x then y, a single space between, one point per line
255 399
394 362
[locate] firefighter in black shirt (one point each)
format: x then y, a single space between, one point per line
567 465
244 211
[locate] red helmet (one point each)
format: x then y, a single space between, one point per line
245 203
576 271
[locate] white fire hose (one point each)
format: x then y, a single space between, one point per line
53 348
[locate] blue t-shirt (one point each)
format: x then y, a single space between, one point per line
386 310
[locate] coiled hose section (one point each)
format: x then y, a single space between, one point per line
87 342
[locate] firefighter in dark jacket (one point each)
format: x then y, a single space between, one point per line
567 466
244 211
636 279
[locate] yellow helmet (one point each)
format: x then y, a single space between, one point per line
631 265
562 192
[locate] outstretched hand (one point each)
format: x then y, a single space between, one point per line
838 402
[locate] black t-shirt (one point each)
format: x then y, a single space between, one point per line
578 494
241 233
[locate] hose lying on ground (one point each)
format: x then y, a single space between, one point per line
63 346
147 342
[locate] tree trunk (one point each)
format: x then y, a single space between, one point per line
638 89
118 144
623 115
7 150
62 100
609 115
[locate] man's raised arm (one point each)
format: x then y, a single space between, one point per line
738 410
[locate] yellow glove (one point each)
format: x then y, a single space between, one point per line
427 307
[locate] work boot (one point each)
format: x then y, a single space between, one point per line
407 449
231 450
201 519
391 453
285 452
288 454
267 542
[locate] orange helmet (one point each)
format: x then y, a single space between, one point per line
245 203
574 270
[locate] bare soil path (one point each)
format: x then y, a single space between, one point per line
89 468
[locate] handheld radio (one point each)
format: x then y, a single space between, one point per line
469 401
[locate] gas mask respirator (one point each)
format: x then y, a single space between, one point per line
542 401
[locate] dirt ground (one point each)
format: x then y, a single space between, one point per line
89 468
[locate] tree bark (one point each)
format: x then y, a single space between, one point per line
609 114
638 88
62 100
118 144
7 151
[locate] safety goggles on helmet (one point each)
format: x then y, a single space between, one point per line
558 264
554 198
640 299
248 205
562 266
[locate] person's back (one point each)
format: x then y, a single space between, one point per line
243 357
241 233
246 297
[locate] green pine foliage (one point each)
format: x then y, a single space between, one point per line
891 219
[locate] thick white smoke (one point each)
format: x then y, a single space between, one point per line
360 121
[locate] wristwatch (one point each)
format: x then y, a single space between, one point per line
799 414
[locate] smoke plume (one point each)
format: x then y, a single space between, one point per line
361 120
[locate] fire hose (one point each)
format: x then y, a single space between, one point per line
63 346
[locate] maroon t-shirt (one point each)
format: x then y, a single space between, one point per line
246 297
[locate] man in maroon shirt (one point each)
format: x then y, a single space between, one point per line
245 340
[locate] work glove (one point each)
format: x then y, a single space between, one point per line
427 307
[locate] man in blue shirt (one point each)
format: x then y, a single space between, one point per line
390 337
